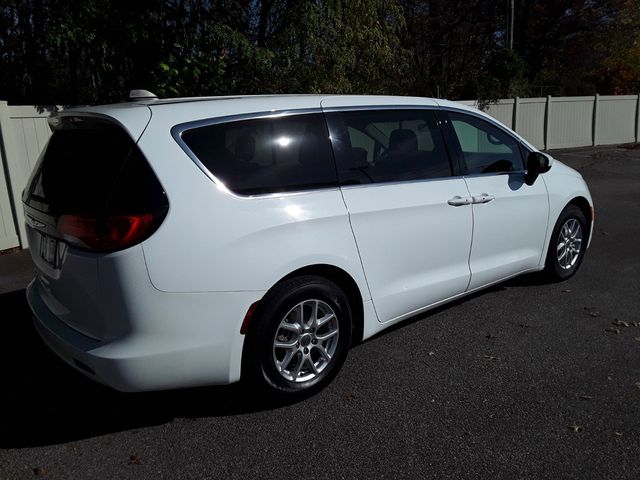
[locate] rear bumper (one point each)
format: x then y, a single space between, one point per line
196 342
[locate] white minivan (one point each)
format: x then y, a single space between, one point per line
196 241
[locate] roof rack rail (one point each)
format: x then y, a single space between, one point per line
141 95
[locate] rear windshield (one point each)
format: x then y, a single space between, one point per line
266 155
92 166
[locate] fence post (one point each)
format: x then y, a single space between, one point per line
638 119
514 120
594 127
547 116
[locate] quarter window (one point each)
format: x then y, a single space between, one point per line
485 147
266 155
387 146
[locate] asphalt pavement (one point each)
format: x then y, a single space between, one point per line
525 380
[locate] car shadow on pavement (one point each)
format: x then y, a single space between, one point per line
534 279
48 402
524 280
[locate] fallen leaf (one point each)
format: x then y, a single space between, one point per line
592 312
585 397
612 330
635 324
618 434
134 459
575 428
431 354
39 471
620 323
491 357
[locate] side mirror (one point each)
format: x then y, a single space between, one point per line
537 163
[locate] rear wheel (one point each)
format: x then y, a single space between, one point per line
568 244
300 337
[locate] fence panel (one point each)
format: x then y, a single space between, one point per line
25 132
570 122
530 120
8 235
615 120
502 111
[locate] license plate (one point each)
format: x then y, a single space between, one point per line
52 251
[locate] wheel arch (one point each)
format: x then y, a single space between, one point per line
583 204
343 280
585 207
332 273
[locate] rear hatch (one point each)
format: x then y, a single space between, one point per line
91 193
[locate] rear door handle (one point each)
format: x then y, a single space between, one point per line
483 198
459 201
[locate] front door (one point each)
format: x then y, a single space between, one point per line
509 216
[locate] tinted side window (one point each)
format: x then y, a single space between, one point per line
266 155
388 146
485 148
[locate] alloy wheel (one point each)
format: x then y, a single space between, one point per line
305 341
569 244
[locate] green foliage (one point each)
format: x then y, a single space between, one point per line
503 76
340 46
581 47
56 51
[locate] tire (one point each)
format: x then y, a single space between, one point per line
297 367
558 269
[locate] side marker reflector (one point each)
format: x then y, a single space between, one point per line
247 318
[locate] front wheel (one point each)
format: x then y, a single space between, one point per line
300 337
567 245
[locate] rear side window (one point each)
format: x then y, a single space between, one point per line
388 146
92 166
266 155
485 147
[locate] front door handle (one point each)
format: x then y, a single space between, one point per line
459 201
483 198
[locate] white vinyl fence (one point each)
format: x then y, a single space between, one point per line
565 122
24 132
548 123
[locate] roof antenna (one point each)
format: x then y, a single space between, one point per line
141 95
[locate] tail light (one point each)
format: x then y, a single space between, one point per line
106 234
